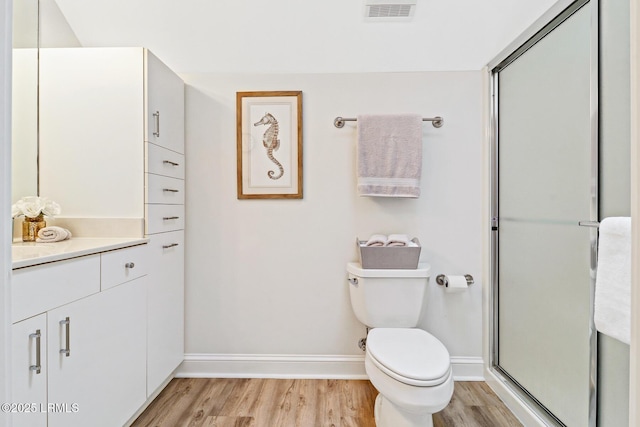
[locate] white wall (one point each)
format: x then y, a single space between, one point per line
5 203
268 276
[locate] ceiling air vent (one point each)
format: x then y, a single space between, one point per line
400 10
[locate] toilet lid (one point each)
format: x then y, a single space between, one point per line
412 356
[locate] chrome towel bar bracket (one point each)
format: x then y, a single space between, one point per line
437 121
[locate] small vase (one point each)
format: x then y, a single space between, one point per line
31 226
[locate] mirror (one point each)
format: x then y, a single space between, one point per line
25 99
37 24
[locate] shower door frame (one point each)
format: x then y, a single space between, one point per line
546 24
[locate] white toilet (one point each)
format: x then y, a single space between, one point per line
408 366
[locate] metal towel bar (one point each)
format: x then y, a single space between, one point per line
436 121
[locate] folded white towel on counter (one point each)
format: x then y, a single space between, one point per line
398 240
377 240
389 155
612 314
53 234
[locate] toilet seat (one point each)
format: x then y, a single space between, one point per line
411 356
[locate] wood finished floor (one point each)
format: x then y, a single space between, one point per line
205 402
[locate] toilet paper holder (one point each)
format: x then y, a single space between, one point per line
441 279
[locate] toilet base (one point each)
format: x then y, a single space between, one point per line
389 415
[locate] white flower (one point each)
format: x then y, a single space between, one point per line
50 208
32 206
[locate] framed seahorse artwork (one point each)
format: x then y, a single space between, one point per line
269 144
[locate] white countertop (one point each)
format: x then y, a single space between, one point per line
27 254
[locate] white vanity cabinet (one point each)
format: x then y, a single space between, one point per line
164 223
113 122
81 362
165 337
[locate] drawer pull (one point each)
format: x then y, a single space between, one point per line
156 116
129 265
171 190
37 367
168 218
66 351
169 246
169 162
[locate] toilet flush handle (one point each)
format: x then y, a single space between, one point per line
353 281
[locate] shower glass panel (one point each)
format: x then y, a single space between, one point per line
545 186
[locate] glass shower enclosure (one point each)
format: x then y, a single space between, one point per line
544 214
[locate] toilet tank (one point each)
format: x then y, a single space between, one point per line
387 298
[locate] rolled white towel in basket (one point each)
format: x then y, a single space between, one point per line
377 240
53 234
398 240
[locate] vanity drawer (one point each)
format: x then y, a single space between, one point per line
123 265
161 161
37 289
162 218
164 190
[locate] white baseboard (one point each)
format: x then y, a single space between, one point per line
467 368
199 365
271 366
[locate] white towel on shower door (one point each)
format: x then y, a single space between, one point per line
389 155
612 314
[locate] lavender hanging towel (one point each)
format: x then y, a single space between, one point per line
389 155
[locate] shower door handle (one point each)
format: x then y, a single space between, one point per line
593 224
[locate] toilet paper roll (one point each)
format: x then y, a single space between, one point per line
456 284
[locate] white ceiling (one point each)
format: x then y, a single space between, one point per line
302 36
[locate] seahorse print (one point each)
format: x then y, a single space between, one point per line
271 142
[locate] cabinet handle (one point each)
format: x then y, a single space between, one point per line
171 190
66 351
169 246
129 265
169 162
156 116
37 366
167 218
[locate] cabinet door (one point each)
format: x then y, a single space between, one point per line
103 373
165 105
165 333
29 384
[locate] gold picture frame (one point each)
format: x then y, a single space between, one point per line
269 144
